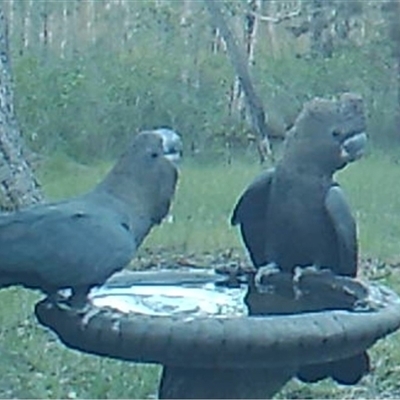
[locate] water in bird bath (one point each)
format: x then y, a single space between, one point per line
164 300
195 293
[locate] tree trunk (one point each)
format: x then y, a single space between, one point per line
238 60
395 36
391 10
252 23
18 185
317 26
237 103
185 26
271 9
11 21
64 29
90 17
44 34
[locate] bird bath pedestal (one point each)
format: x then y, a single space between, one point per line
205 340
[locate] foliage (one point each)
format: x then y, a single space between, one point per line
90 109
89 101
350 69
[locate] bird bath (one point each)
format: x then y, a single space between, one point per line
202 335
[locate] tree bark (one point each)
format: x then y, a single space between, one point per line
238 105
185 27
391 12
45 32
252 23
394 32
64 24
271 10
317 26
18 185
238 60
90 18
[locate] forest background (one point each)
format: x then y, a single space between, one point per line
89 73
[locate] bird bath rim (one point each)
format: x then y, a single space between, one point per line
232 342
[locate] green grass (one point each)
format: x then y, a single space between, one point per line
207 192
373 190
34 364
204 199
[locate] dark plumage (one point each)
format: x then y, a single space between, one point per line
297 215
78 243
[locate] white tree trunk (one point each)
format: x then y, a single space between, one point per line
90 18
184 22
64 29
271 10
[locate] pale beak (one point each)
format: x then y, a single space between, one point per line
353 148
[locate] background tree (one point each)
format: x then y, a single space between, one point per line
391 11
18 185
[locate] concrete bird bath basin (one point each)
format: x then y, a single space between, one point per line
202 335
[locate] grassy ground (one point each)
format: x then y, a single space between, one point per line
33 364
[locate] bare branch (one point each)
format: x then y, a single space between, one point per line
278 19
